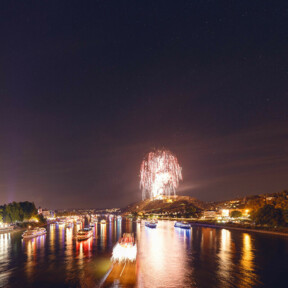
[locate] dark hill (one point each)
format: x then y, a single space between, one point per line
174 204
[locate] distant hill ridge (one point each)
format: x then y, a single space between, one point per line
172 204
187 203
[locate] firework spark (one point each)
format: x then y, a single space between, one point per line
160 174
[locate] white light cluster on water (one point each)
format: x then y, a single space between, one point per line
160 174
123 253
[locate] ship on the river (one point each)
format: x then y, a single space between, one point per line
84 234
34 233
151 224
125 249
183 225
124 263
5 228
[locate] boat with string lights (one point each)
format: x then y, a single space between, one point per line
151 224
183 225
34 233
124 263
125 249
5 227
84 234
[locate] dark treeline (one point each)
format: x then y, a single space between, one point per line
18 212
268 215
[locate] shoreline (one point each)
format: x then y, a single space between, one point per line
11 231
221 226
17 229
239 229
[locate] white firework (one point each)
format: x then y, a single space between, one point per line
160 174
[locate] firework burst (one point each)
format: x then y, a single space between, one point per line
160 174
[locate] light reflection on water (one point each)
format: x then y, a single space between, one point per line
167 257
103 236
249 278
69 254
5 246
162 256
225 255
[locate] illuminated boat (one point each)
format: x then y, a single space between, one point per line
103 221
125 249
78 222
5 228
138 220
61 223
183 225
34 233
69 225
84 234
119 217
151 224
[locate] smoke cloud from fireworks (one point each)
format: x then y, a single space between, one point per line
160 174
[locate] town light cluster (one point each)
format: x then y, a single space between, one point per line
160 174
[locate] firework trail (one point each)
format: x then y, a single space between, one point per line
160 174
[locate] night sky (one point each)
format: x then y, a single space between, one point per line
87 88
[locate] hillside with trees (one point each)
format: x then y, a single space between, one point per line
19 212
183 205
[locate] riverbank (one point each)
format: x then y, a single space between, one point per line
280 231
245 229
22 227
12 230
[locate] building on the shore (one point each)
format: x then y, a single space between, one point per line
46 213
226 213
210 214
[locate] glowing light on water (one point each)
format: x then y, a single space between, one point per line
122 253
160 174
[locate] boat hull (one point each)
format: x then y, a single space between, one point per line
84 236
151 225
33 236
5 229
182 225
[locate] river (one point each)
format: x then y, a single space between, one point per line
167 257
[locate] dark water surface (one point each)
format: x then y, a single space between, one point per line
167 257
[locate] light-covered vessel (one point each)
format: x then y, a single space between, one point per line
151 224
84 234
125 249
183 225
34 233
